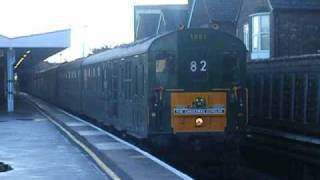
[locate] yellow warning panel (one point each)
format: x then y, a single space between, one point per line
198 112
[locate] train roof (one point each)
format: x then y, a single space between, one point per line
75 63
135 48
45 66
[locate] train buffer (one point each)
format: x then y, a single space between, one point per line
115 158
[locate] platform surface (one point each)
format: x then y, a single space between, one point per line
35 149
123 159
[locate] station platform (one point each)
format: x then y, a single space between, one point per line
34 148
115 158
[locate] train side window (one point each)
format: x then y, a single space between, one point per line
115 81
122 81
299 97
107 83
91 72
142 80
110 70
258 95
286 96
101 78
105 80
251 95
312 99
85 78
230 69
162 73
275 97
266 99
136 80
127 79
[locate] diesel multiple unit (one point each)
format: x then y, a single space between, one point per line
187 82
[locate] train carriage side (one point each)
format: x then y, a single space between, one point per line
128 87
114 85
93 97
40 86
132 96
69 86
61 76
50 83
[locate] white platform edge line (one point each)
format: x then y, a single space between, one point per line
95 158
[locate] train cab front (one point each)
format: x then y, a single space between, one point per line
199 97
210 71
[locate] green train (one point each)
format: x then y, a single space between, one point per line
187 84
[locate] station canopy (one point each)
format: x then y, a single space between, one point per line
20 54
32 49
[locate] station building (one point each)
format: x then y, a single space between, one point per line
269 28
151 20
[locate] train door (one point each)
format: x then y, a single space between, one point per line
165 78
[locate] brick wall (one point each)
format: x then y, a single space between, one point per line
296 33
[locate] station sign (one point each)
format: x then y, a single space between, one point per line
216 110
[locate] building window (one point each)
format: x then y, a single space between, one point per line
260 36
246 35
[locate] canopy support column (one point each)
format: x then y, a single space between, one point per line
11 59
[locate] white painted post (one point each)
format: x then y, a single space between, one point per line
10 79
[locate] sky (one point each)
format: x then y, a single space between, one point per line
93 23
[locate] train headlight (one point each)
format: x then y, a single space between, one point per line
199 122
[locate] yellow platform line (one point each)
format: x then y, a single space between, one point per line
98 161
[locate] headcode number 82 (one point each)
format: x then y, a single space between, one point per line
202 66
